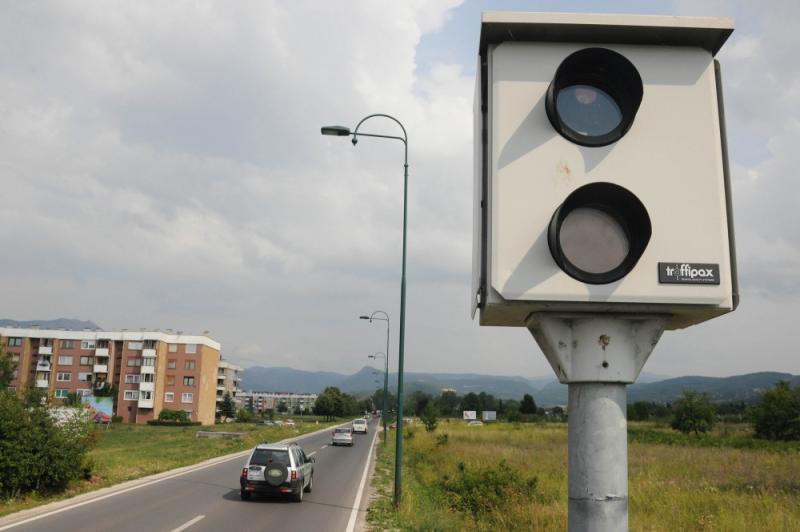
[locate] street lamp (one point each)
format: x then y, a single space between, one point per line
385 384
341 131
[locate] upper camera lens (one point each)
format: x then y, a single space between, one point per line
594 97
588 110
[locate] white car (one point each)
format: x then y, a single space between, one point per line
360 425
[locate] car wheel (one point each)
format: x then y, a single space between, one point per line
245 495
298 497
310 484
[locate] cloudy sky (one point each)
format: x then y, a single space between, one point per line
161 166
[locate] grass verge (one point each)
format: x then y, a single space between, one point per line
126 452
516 478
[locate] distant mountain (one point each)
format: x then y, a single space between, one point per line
740 388
60 323
547 391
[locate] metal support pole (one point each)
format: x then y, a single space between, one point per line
597 356
598 457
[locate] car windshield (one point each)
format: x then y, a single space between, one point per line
268 456
343 431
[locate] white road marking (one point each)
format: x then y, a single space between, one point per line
187 524
312 454
323 446
354 513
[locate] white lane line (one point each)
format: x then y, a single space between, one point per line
354 513
187 524
217 461
312 453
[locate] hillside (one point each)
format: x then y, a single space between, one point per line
547 391
60 323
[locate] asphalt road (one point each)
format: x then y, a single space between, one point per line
208 499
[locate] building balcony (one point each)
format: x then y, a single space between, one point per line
147 369
43 366
101 352
45 350
100 368
42 383
149 353
147 386
145 403
220 387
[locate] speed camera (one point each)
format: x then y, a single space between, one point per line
601 176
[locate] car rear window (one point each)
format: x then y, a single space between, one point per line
343 431
266 456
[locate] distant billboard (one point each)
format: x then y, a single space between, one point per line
100 408
470 415
489 415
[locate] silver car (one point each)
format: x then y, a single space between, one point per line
342 436
274 469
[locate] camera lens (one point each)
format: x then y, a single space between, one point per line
593 97
599 233
588 110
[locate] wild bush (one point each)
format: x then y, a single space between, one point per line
39 452
173 415
483 489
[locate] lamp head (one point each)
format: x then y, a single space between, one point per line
336 131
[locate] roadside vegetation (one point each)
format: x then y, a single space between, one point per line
692 466
515 475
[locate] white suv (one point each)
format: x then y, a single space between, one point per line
360 425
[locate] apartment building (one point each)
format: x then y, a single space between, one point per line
228 380
263 401
152 370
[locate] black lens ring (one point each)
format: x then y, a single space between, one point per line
603 69
619 203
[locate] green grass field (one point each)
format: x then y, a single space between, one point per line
126 452
723 481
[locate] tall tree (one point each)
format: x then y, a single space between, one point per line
777 415
693 412
7 368
228 407
528 405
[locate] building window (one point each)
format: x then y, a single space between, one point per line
149 344
188 381
87 344
131 395
171 364
65 360
87 361
85 377
14 342
62 393
148 361
170 380
67 344
46 342
135 346
14 357
169 397
146 395
134 362
191 349
187 397
84 392
148 377
132 379
102 344
64 377
173 348
189 364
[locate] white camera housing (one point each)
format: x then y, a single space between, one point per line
673 158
